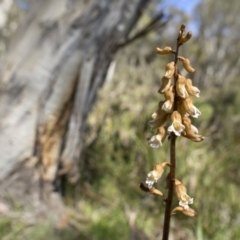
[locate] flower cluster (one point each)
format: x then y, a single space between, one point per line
173 114
173 118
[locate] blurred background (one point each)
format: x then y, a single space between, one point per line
105 202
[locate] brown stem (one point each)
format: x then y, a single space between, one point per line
167 216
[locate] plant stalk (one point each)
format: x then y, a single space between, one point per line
167 216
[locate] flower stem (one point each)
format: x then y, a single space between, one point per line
167 216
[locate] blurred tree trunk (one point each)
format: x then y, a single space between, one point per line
50 74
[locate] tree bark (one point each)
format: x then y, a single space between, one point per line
50 74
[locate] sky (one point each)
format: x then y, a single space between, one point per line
186 6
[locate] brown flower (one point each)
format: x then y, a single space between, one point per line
157 172
176 125
157 140
186 64
180 87
193 91
181 192
166 83
159 116
169 100
164 51
186 107
170 68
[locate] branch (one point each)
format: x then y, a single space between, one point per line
156 23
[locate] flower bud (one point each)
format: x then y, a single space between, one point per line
166 83
180 87
186 64
156 192
185 38
176 125
170 68
164 51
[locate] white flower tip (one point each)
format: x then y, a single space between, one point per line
190 201
176 132
196 113
155 141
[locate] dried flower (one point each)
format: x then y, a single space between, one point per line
154 175
186 64
159 116
152 190
157 140
166 83
193 91
186 107
169 96
193 136
180 87
170 68
176 125
189 211
181 192
164 51
188 125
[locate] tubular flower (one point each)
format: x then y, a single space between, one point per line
154 175
166 82
186 64
186 107
193 91
170 68
188 125
157 140
176 125
180 87
159 117
169 96
182 196
189 212
191 132
193 136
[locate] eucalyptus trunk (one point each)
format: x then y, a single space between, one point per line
50 74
